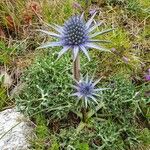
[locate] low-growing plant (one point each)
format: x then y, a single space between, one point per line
114 126
77 35
117 125
46 85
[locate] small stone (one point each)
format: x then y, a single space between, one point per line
7 80
15 130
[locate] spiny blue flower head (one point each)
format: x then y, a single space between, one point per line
75 32
86 90
77 35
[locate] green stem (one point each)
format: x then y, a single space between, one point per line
88 115
92 112
84 114
76 68
80 127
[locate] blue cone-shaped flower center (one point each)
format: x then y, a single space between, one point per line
86 89
75 33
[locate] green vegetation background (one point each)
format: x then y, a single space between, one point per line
124 121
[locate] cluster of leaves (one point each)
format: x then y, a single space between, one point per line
47 87
115 125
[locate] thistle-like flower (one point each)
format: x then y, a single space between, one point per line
147 76
76 34
86 91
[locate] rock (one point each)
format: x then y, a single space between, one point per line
15 130
7 80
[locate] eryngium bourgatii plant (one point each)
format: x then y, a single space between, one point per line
77 35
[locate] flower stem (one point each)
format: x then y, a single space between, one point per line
76 68
84 114
92 112
87 116
80 127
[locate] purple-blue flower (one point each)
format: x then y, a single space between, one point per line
147 76
86 90
77 35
